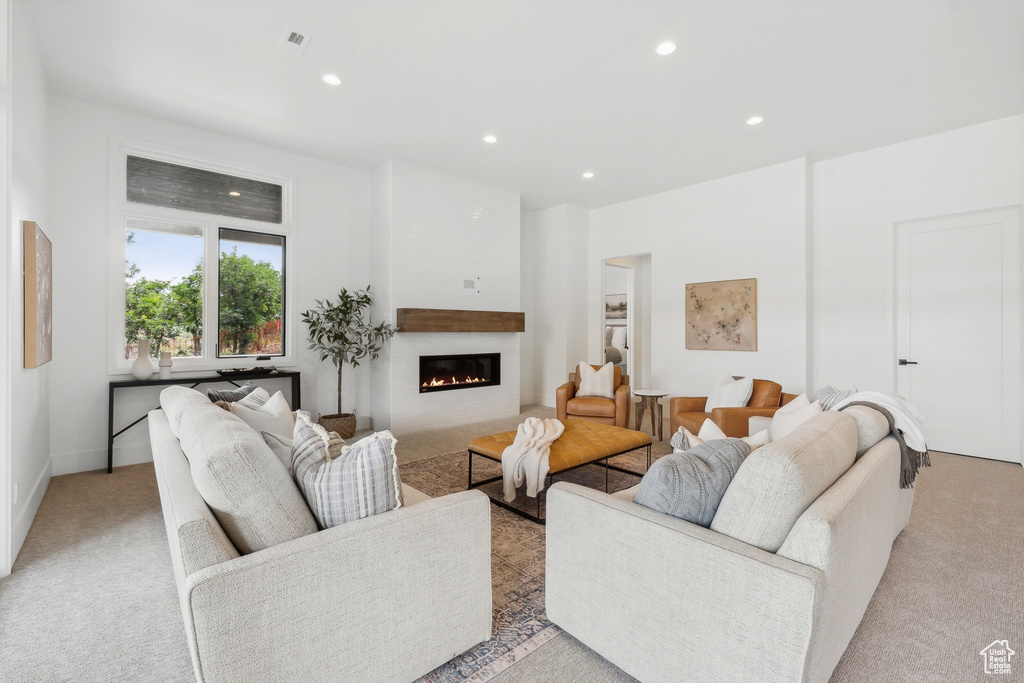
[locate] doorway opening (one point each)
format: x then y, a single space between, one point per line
626 315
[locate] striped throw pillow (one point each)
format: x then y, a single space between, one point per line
231 395
343 483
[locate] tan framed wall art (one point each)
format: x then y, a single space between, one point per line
38 296
722 316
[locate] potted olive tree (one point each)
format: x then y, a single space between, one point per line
341 331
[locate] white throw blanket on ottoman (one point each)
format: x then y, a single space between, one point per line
527 457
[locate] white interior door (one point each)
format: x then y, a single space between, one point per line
958 330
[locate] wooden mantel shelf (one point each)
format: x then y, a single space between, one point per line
447 320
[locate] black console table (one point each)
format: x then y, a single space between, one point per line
193 382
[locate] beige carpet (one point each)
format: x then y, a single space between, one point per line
520 623
92 595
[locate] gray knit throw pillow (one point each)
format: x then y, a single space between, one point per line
690 485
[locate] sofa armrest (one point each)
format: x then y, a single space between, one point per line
388 597
848 533
687 404
735 421
562 396
662 598
623 402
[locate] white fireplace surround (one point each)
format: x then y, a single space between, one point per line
432 235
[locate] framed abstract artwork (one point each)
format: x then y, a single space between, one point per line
38 296
722 316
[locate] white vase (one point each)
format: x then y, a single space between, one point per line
142 368
165 365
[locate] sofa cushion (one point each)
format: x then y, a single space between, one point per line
600 383
590 406
274 416
231 395
781 479
690 485
729 393
792 415
241 479
872 426
344 483
175 399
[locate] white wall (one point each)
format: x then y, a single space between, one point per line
29 389
432 232
555 249
329 242
6 487
857 201
749 225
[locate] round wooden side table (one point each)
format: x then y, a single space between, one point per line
649 401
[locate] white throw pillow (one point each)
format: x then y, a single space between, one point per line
275 416
792 415
597 382
729 393
756 440
282 447
709 431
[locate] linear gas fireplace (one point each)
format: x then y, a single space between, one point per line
463 371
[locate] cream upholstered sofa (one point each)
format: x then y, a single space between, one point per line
773 591
384 598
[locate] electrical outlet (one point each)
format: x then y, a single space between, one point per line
17 487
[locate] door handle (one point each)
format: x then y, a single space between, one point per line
904 361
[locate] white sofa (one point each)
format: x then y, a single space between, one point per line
384 598
667 600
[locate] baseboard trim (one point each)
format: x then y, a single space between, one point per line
19 530
96 459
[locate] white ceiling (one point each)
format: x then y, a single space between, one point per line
565 85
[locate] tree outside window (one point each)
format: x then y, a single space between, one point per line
164 290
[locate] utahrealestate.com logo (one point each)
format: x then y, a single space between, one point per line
997 657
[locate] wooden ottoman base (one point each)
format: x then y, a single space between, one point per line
582 443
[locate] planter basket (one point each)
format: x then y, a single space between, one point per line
344 424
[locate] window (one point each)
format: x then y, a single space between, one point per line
205 263
251 293
163 298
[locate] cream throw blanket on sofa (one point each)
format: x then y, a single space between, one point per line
527 457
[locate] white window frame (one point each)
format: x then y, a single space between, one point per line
121 209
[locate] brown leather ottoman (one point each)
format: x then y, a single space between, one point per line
582 443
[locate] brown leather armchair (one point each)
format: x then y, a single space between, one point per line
765 399
594 408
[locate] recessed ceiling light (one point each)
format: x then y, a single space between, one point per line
331 79
235 194
666 48
588 174
754 120
490 139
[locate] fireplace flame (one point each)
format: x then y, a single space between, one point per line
442 381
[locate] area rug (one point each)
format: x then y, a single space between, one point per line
520 624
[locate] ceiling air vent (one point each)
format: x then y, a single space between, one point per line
293 42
